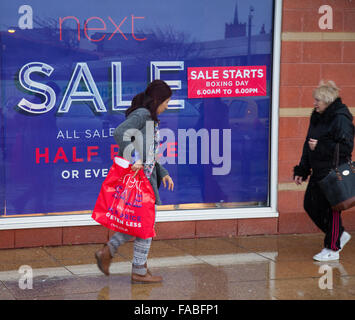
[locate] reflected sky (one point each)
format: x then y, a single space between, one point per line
202 22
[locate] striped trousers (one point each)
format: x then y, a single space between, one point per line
140 251
321 213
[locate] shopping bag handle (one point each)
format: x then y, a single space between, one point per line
135 174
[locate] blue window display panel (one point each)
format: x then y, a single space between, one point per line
69 70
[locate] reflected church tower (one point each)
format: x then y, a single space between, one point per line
235 29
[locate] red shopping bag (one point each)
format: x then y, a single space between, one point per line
126 204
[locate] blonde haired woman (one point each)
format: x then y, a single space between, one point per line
331 123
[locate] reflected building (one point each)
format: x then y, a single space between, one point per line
235 29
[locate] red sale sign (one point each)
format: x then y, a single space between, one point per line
213 82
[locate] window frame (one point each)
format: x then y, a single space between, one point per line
83 218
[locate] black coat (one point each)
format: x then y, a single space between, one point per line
330 127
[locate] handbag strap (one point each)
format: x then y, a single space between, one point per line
336 162
336 156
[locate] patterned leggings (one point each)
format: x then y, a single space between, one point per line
140 252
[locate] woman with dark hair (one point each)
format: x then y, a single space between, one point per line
141 128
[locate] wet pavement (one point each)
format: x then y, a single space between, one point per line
246 268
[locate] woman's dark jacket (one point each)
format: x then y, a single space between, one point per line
330 127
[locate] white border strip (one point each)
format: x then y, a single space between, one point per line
190 215
275 105
162 216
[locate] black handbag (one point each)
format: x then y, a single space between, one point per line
339 185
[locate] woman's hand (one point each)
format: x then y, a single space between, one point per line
298 180
312 143
167 179
136 167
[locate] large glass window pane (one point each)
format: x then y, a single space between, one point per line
69 70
